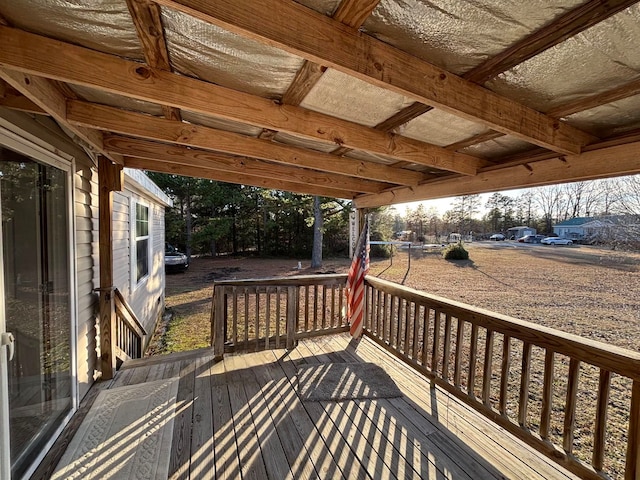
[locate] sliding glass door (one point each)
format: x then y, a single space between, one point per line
37 305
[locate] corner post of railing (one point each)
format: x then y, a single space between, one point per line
218 315
292 316
632 467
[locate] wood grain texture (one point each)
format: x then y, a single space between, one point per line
306 78
590 165
328 42
238 178
206 161
200 137
599 432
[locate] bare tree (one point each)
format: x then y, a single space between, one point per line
549 200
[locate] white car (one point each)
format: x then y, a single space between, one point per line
556 241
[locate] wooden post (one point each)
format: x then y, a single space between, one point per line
292 314
218 318
110 178
632 466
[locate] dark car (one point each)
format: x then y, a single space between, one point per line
174 261
532 238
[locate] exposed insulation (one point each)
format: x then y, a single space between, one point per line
371 157
441 128
220 124
205 51
596 60
298 141
459 35
114 100
347 97
106 26
499 147
326 7
611 119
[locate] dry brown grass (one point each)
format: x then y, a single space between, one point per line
582 290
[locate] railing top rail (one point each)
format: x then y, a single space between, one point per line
131 319
295 280
615 359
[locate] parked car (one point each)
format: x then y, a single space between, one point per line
531 238
174 261
556 241
497 236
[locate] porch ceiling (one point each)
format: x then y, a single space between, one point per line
383 101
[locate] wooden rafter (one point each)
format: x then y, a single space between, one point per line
205 159
70 63
147 20
46 95
144 126
277 23
238 178
14 100
589 165
352 13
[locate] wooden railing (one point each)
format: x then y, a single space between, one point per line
129 331
553 390
250 315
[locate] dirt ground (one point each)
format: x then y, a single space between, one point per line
583 290
587 291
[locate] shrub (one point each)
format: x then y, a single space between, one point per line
455 252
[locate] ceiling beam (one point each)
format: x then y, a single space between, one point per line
70 63
591 165
205 159
147 20
325 41
46 95
154 128
237 178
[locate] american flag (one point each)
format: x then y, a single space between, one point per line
355 282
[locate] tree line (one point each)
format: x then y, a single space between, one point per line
214 218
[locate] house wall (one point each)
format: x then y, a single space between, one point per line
567 232
147 299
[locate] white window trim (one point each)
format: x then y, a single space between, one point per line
135 283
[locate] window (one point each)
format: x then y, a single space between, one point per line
141 242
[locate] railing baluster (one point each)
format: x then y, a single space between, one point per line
632 466
399 322
604 386
324 307
340 304
278 294
488 367
473 354
246 318
379 306
416 331
218 322
426 315
435 353
547 394
570 405
234 290
332 313
315 308
267 321
525 376
391 320
504 374
306 308
447 347
407 328
292 313
457 370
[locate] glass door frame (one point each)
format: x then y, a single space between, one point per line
26 147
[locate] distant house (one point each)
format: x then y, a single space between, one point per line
519 232
581 227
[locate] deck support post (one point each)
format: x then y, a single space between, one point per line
218 321
292 316
110 179
632 467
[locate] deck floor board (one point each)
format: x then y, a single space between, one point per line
242 418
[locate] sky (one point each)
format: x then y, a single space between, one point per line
444 204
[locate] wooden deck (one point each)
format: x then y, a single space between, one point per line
242 418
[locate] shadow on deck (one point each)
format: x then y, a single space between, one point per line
243 418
